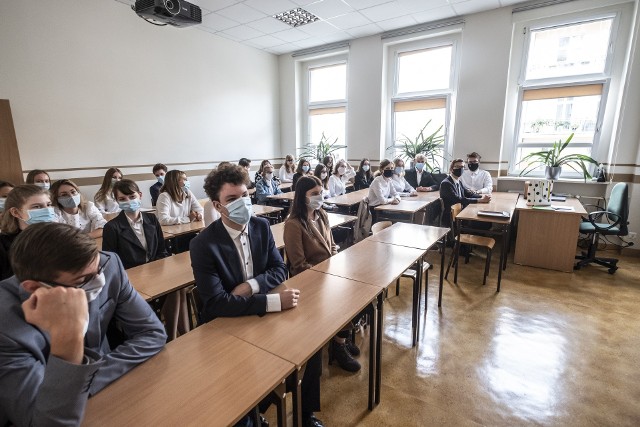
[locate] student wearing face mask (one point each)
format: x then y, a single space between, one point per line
55 352
453 191
235 260
286 171
400 184
419 178
342 173
5 189
159 171
26 205
364 176
73 209
474 178
267 186
303 169
104 197
176 203
382 191
40 178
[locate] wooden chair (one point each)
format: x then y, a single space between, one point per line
467 239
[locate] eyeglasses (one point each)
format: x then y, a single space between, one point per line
101 268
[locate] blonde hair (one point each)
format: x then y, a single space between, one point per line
54 194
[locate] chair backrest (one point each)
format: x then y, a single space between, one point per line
455 210
379 226
619 205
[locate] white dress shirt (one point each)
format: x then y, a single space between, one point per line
108 205
401 186
284 175
479 181
243 246
138 230
170 212
382 192
89 220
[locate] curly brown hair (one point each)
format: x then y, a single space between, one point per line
232 174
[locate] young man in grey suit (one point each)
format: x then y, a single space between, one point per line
54 314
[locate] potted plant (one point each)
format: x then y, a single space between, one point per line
431 146
320 150
553 160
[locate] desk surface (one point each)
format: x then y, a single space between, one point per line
283 196
427 196
578 209
259 210
375 263
503 202
406 205
162 276
335 220
348 199
326 304
205 377
410 235
180 229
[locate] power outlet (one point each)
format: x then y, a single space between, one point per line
632 235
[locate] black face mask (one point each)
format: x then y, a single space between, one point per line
388 173
457 172
473 166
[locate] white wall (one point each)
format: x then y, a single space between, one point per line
93 85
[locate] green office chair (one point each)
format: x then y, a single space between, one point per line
615 220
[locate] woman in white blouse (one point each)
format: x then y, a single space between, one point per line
381 190
342 173
402 187
287 170
104 197
73 209
176 203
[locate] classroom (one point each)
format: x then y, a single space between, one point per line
87 86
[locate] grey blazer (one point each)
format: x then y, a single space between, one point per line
39 389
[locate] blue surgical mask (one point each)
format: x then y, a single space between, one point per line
240 210
2 200
187 186
130 205
43 185
419 166
40 215
70 201
305 169
161 179
365 168
398 170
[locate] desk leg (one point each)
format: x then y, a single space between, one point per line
379 347
372 355
294 385
507 232
417 286
444 246
503 258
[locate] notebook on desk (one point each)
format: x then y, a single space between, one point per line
555 198
498 214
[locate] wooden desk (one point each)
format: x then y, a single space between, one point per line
408 205
427 196
264 210
284 198
180 229
499 202
327 303
206 377
335 220
416 236
349 201
286 186
548 238
157 278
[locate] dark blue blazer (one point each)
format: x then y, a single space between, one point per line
154 191
450 197
217 269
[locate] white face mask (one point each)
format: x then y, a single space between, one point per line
268 176
323 176
342 170
315 202
94 287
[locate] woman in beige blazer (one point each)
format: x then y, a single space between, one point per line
308 241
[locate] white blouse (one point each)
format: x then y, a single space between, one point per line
284 175
210 213
401 185
170 212
382 192
89 220
109 205
338 184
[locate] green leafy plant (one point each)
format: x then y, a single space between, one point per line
555 158
431 146
320 150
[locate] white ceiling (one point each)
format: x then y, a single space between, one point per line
250 22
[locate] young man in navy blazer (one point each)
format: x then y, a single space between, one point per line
452 191
236 263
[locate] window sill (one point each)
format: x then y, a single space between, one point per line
563 180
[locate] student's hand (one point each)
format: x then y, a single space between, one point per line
242 290
414 193
63 313
192 216
395 201
486 198
289 298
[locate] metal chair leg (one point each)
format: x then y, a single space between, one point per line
486 267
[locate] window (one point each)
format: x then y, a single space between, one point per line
563 87
326 102
422 76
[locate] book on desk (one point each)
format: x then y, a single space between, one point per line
498 214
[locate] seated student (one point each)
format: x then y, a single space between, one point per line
400 184
303 169
246 164
104 197
71 208
239 239
321 173
364 176
419 178
25 205
474 178
137 238
452 191
338 180
286 171
260 172
308 241
159 170
5 189
55 313
176 203
267 186
40 178
381 190
328 162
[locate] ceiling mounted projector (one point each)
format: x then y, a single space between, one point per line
178 13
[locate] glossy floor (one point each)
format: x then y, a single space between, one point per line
551 349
